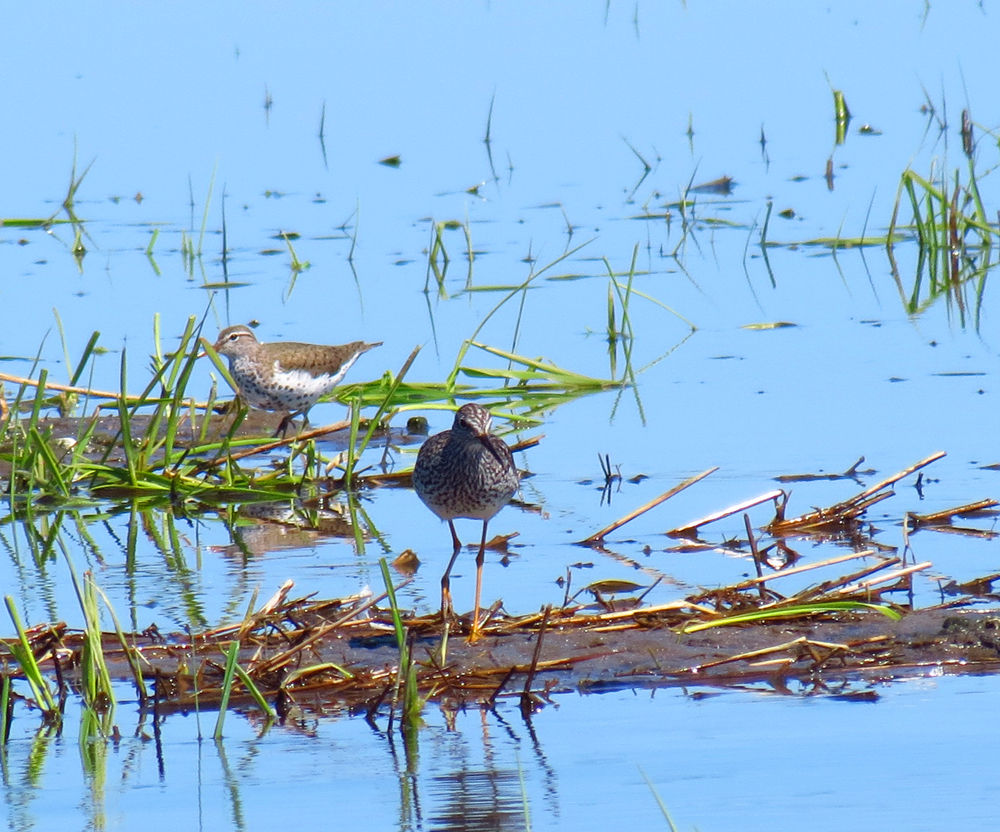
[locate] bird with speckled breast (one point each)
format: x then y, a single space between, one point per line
465 472
285 376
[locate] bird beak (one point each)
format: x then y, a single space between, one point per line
488 445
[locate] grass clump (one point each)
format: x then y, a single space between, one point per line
957 246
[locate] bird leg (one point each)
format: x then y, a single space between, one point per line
289 420
283 426
480 559
446 608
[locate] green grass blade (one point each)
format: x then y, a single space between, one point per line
125 425
24 656
254 691
227 687
758 616
387 401
131 654
544 371
54 469
208 205
515 291
411 698
5 709
659 801
88 351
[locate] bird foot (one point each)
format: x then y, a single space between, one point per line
284 425
447 610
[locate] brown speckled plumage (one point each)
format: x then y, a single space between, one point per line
465 472
285 375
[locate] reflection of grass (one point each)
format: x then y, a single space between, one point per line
438 259
23 654
954 237
98 694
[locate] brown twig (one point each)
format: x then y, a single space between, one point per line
527 702
756 558
946 515
598 537
795 570
208 464
63 388
276 662
764 651
827 587
904 473
851 509
691 528
864 586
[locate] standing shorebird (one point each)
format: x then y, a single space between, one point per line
285 375
465 472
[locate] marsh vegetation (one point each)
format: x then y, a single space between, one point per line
678 358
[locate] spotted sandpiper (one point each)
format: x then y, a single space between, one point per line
285 375
465 472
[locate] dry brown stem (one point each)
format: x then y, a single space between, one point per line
598 537
691 529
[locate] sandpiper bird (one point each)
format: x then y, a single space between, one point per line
465 472
285 375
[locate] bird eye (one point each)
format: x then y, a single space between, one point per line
234 337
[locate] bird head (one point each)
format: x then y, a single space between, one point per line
235 341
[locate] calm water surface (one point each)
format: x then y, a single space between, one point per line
188 113
750 760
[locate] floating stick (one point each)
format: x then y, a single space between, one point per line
691 528
598 537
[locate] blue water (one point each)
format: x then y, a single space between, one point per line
753 760
169 109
